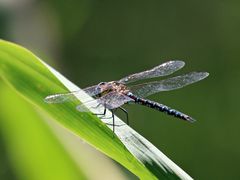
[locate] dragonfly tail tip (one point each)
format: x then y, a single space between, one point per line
190 119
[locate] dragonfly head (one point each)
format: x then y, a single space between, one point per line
103 87
102 83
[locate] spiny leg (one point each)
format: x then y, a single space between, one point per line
114 110
125 111
104 112
110 117
113 120
113 116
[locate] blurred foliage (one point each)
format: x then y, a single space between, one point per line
105 40
31 151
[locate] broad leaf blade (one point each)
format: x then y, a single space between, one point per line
32 149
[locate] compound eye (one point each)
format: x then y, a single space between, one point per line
102 83
99 87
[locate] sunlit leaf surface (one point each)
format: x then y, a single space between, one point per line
31 148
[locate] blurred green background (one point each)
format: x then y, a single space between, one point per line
91 41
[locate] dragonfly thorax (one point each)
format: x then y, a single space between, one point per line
113 86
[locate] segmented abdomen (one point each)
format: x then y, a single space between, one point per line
161 107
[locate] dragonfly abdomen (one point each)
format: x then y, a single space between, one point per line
162 108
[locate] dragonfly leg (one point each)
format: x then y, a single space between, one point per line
125 111
113 112
113 120
103 114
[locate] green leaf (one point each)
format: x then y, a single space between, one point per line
34 80
32 149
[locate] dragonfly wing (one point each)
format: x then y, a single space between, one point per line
111 100
60 98
114 100
65 97
147 89
91 91
164 69
84 107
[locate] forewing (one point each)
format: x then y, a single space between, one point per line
164 69
60 98
147 89
65 97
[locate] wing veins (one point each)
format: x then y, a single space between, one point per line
164 69
70 96
147 89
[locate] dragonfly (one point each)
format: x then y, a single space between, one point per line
114 94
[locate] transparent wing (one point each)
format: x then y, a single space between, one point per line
111 100
91 91
160 70
60 98
65 97
84 107
147 89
